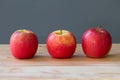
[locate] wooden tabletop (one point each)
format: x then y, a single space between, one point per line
43 67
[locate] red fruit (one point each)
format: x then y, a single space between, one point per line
61 44
23 44
96 42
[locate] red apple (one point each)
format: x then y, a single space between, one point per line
23 44
61 44
96 42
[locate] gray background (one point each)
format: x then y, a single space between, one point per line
44 16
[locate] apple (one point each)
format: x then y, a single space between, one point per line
61 44
23 44
96 42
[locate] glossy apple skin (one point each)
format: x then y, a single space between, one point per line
96 42
61 46
23 44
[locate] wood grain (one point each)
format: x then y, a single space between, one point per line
43 67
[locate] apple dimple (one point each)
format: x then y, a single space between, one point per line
61 32
24 31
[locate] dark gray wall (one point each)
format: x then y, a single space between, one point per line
44 16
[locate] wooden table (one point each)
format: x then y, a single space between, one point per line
43 67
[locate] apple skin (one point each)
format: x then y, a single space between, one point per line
96 42
61 44
23 44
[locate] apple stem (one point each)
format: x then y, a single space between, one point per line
99 28
60 31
